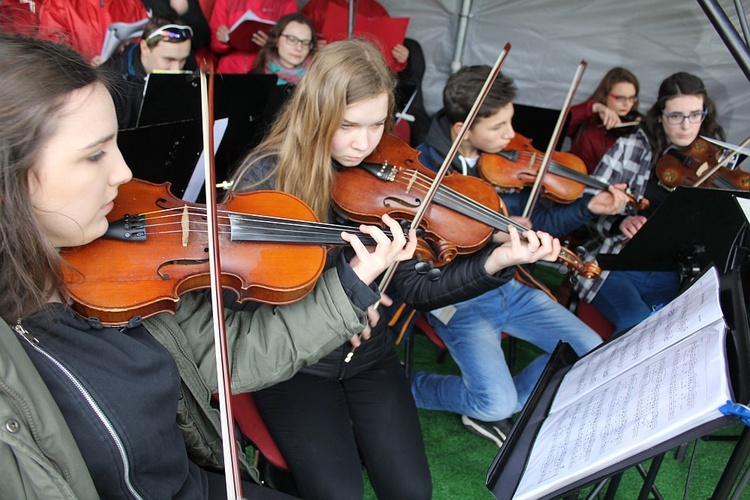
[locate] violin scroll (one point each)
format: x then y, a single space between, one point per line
571 261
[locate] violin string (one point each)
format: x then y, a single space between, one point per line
565 171
493 218
471 208
257 226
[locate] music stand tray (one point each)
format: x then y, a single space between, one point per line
693 228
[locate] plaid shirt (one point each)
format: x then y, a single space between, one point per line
629 162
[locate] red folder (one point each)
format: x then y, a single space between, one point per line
384 32
241 32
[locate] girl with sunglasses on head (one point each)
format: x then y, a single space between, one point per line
595 123
682 112
115 412
355 406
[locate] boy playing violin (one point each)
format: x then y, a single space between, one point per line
486 394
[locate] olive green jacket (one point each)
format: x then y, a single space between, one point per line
38 456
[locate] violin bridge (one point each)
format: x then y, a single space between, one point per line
185 223
412 181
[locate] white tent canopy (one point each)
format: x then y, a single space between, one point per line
550 38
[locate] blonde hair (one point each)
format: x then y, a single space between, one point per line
342 73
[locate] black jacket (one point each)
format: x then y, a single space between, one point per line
128 77
462 279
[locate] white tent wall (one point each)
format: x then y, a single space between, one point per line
652 38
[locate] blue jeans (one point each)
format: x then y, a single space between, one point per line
486 390
627 297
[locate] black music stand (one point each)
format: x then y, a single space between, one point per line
506 471
691 229
244 99
693 226
163 153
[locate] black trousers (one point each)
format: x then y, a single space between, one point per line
326 429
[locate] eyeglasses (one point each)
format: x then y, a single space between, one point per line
679 118
622 99
172 33
297 41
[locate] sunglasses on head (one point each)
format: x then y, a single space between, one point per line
172 33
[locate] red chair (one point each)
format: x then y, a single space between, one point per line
251 424
590 315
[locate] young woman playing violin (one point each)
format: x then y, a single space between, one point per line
683 111
486 394
595 123
355 406
107 412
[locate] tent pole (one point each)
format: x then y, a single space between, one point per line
728 34
463 24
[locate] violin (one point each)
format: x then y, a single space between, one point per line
517 166
272 250
689 167
463 216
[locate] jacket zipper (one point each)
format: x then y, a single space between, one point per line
34 343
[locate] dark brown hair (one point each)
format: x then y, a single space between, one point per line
36 79
463 87
679 84
271 49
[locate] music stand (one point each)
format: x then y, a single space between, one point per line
163 153
505 473
244 99
691 229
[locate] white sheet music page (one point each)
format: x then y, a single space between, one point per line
636 394
697 307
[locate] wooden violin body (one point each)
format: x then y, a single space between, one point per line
686 167
463 216
517 166
391 180
114 280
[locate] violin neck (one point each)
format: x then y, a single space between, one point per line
568 173
274 230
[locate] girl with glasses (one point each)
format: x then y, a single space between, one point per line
225 13
594 122
290 46
682 112
108 412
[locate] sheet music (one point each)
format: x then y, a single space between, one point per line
199 177
664 377
671 393
744 204
692 310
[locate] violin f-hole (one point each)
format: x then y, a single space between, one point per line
178 262
389 201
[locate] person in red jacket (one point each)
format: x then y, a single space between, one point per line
595 124
409 62
83 24
315 10
225 14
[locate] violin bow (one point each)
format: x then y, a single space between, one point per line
723 162
223 375
534 196
419 215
